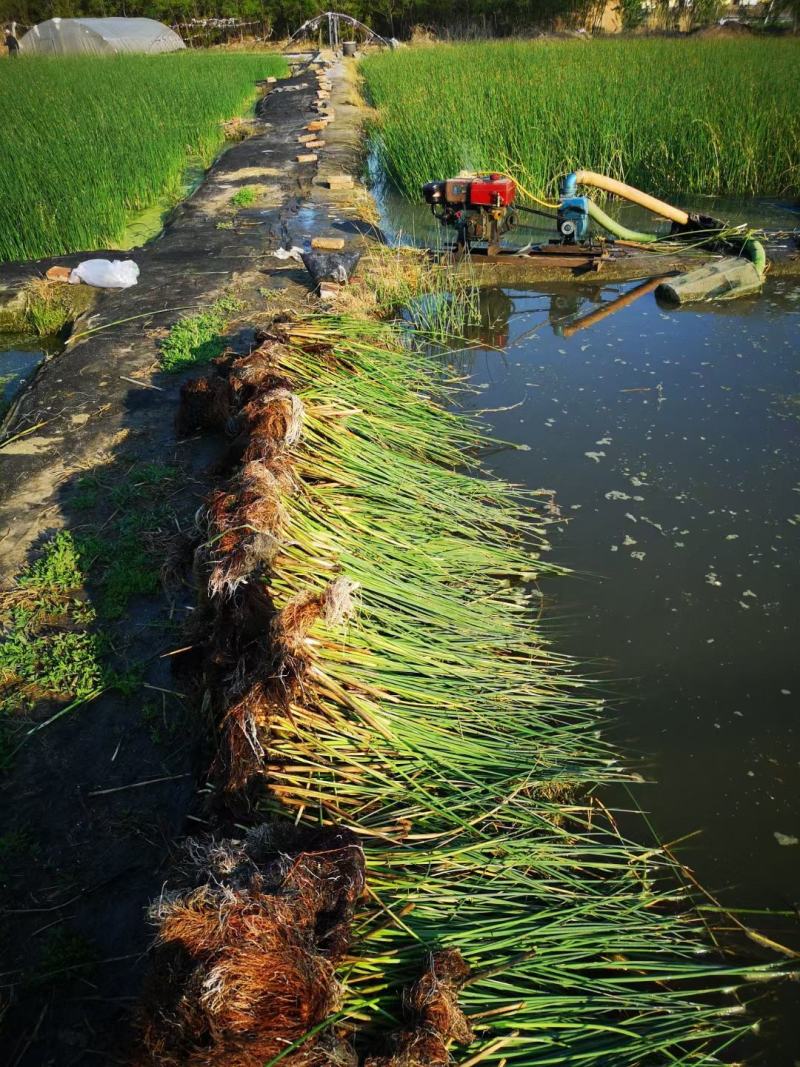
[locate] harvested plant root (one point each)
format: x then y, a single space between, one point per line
246 949
255 655
244 525
435 1016
261 675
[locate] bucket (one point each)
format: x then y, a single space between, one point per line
349 48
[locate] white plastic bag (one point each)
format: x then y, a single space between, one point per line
289 253
105 274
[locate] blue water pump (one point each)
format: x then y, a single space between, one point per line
572 218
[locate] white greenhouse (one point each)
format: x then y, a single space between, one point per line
99 37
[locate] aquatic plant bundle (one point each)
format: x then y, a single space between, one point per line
373 657
91 141
672 117
247 944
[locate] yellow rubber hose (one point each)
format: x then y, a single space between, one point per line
651 203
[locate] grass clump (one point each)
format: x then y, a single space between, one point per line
401 281
245 196
197 339
59 664
58 568
669 116
51 306
49 648
114 138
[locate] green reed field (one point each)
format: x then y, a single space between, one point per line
669 116
87 142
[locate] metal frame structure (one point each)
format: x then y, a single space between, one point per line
334 19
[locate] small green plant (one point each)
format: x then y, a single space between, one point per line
57 569
47 648
246 195
198 339
60 664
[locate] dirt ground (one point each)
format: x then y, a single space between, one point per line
93 802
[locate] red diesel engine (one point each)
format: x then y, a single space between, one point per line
478 207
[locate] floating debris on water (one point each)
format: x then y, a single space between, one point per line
787 840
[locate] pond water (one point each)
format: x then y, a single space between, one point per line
20 356
670 438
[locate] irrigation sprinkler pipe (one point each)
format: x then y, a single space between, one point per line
570 183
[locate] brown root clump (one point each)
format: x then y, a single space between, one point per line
335 605
249 932
245 524
246 948
271 421
241 754
253 656
260 672
435 1016
258 372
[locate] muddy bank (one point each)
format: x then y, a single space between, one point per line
94 797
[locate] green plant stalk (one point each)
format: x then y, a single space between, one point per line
668 116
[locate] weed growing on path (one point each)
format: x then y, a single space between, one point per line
197 339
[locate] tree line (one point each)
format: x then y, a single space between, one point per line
275 19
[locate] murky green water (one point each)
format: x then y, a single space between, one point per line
146 225
20 357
